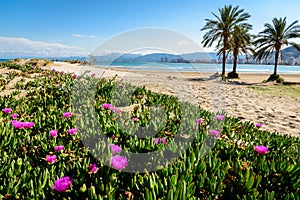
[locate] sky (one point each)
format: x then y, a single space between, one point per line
77 27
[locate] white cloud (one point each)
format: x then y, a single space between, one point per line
77 35
19 47
83 36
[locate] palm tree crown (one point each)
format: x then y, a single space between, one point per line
274 37
220 29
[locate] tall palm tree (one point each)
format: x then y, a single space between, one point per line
239 42
220 29
273 38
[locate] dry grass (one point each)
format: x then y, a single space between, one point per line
279 90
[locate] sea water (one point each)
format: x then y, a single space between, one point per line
200 67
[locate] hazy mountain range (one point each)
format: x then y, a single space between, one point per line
164 57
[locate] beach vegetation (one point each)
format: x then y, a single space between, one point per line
45 151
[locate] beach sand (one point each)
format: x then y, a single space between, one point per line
236 97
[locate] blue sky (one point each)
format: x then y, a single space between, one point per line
76 27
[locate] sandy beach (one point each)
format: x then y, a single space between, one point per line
236 97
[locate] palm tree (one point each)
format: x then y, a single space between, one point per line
274 37
220 29
239 42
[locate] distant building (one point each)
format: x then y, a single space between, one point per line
292 61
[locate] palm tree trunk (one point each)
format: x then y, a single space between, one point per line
224 56
234 64
276 62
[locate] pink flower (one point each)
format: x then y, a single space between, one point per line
14 116
122 85
215 133
258 125
116 110
93 168
62 184
114 148
17 124
160 140
67 114
106 106
33 67
199 121
92 75
58 85
51 159
28 124
53 133
135 119
74 76
72 131
6 110
219 117
59 148
261 149
118 162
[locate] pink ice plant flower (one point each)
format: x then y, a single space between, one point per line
135 119
118 162
14 115
53 133
116 110
72 131
258 125
199 121
219 117
106 106
114 148
67 114
261 149
215 133
59 148
50 159
17 124
62 184
28 124
6 110
160 140
92 168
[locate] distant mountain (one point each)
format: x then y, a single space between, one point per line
200 56
290 52
156 57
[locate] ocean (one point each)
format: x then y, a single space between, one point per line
201 67
197 67
4 60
